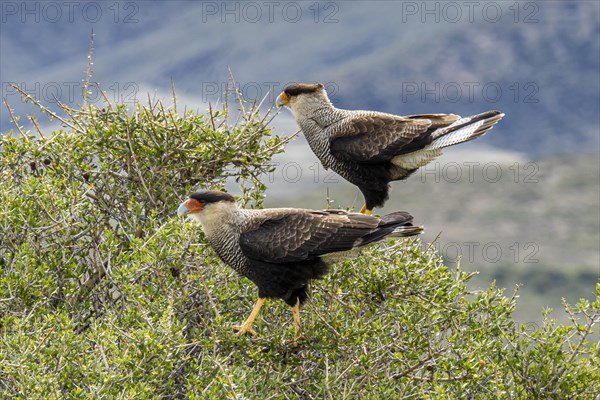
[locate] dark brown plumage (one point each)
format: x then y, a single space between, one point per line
282 249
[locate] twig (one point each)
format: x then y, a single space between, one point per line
37 126
588 329
14 119
44 109
433 242
88 72
237 92
105 98
68 111
174 97
323 319
137 167
327 200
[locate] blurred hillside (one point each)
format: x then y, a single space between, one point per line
540 68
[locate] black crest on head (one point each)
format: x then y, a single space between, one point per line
212 196
299 88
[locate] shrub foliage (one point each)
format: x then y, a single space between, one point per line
104 293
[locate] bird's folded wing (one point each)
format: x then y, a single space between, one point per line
297 235
378 137
437 120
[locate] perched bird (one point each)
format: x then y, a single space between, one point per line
282 249
371 149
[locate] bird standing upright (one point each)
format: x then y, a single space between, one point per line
282 249
371 149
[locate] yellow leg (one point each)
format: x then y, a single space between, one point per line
365 211
247 326
296 316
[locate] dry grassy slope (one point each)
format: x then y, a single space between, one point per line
543 216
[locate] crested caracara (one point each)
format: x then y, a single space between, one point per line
371 149
282 249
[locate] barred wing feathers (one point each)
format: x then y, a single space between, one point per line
370 137
285 236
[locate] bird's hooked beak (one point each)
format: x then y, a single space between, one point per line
189 206
182 210
282 100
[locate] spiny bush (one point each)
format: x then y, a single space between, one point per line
76 200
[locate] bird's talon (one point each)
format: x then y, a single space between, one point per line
240 330
298 340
